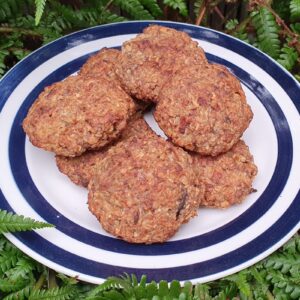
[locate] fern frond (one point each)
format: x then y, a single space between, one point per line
9 258
293 245
283 262
9 8
8 285
40 7
178 4
240 279
267 32
63 293
135 9
282 9
295 10
10 222
201 291
153 7
283 285
24 266
19 295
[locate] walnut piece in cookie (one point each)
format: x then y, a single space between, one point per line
81 168
150 59
78 114
203 109
227 177
144 189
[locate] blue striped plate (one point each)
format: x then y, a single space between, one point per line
212 245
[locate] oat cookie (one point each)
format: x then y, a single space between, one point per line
203 109
227 177
78 114
80 169
151 58
144 190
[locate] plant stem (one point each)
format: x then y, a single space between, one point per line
39 284
202 10
19 30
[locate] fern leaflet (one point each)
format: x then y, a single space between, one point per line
9 285
135 9
10 222
63 293
295 10
267 32
19 295
152 6
178 4
40 6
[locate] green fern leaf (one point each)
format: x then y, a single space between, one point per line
231 24
8 285
40 6
295 10
283 262
202 292
9 259
10 222
293 245
153 7
135 9
267 31
178 4
151 290
240 279
24 266
62 293
19 295
9 9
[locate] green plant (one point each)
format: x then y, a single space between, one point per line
274 29
276 277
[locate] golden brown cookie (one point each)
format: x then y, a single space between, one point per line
227 177
203 109
102 63
78 114
150 59
80 169
144 190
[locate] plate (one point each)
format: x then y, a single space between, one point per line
215 243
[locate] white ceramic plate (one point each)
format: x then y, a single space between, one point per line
212 245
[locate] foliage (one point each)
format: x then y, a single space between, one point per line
276 277
10 222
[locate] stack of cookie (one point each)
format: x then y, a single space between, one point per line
142 187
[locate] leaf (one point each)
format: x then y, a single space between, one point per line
135 9
201 292
283 262
295 10
10 222
153 7
40 6
267 31
63 293
9 258
231 24
19 295
178 4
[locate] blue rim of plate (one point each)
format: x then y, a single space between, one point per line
285 152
